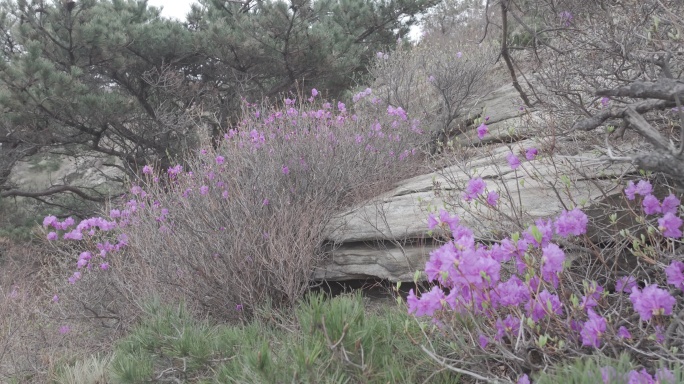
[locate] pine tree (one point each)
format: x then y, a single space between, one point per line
114 77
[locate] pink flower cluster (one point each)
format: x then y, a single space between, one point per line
669 224
471 272
610 375
89 229
470 280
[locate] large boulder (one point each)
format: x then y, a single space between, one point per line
388 238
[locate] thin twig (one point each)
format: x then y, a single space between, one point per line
443 362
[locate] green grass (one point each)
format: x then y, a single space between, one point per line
322 341
92 370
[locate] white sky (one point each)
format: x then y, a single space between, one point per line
177 9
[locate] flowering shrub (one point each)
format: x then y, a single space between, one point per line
519 305
244 221
437 80
610 371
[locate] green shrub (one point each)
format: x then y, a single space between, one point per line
323 341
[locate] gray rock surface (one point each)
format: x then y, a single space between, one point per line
44 170
388 238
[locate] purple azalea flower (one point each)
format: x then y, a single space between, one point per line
476 269
605 101
651 301
552 263
665 376
588 302
285 170
575 325
625 284
546 230
675 274
50 220
623 333
432 222
73 235
531 153
67 223
147 170
74 278
475 188
651 205
451 221
511 293
641 377
545 303
643 188
513 160
608 374
524 379
630 191
463 237
427 304
175 170
508 249
442 259
669 225
498 253
566 18
670 204
592 295
493 198
510 325
482 130
314 92
483 341
52 236
593 329
571 223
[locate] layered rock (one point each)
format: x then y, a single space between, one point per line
387 237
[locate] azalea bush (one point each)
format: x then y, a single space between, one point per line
517 305
33 334
591 370
244 220
439 80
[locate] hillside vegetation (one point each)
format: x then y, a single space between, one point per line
235 137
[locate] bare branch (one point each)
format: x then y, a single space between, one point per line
645 129
52 191
663 89
620 112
